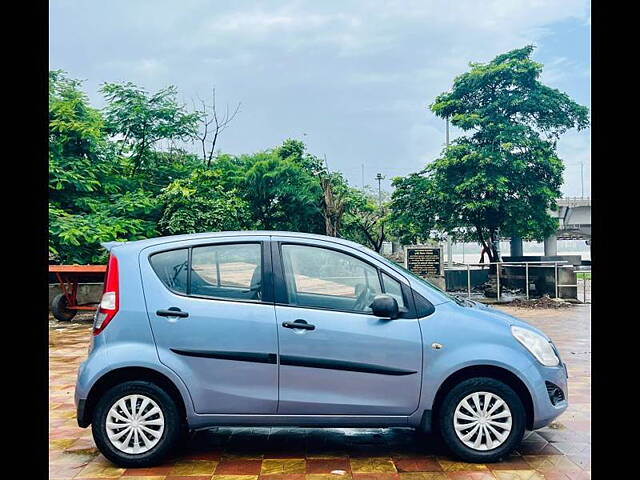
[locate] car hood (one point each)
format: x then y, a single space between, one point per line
492 314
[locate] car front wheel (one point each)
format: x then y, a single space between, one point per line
136 424
482 420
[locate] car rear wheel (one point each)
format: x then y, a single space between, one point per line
59 308
136 424
482 420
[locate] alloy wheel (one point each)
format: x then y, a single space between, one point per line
482 421
135 424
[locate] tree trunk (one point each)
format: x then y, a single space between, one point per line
495 245
332 208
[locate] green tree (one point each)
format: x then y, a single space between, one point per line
281 186
503 176
140 120
199 203
282 194
110 179
87 201
364 219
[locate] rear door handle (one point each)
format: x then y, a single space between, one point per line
172 312
302 324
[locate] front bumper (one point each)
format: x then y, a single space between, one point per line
544 410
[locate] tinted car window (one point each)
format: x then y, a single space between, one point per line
319 277
392 287
227 271
171 268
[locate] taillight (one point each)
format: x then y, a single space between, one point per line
110 297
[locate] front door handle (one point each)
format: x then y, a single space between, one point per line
172 312
302 324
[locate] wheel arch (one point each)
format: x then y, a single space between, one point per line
124 374
491 371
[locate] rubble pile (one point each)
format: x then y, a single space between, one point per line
542 302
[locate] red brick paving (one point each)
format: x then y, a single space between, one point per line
561 451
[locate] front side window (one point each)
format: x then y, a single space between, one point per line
171 268
227 271
392 287
323 278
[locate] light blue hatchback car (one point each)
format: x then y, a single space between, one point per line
282 328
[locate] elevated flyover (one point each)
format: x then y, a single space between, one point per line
574 216
574 219
574 223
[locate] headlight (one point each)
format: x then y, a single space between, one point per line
537 345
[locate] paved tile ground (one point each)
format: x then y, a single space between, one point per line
559 451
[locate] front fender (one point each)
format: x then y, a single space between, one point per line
469 337
440 365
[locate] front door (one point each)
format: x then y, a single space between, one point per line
336 357
213 320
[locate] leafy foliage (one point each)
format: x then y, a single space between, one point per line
92 198
199 203
504 176
143 119
365 220
110 180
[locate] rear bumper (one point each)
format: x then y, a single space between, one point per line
81 414
80 400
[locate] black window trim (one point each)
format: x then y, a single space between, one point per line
280 286
266 273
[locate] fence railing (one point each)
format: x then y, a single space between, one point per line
527 265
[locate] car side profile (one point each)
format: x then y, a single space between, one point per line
294 329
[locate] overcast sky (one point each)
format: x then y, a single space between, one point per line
352 79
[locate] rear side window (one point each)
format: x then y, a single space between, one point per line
227 271
171 268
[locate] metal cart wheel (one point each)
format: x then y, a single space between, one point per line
60 310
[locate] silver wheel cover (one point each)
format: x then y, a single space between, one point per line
135 424
482 421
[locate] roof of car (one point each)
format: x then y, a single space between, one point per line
139 244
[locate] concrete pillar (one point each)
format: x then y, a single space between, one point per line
516 247
551 246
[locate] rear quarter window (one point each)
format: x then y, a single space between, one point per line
171 268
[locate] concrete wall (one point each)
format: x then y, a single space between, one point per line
87 292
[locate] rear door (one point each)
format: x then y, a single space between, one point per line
336 357
210 304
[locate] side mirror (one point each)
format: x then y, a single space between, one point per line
385 306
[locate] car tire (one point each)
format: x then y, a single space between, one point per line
131 407
60 310
499 429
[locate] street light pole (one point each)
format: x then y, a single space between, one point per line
447 131
379 177
449 243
